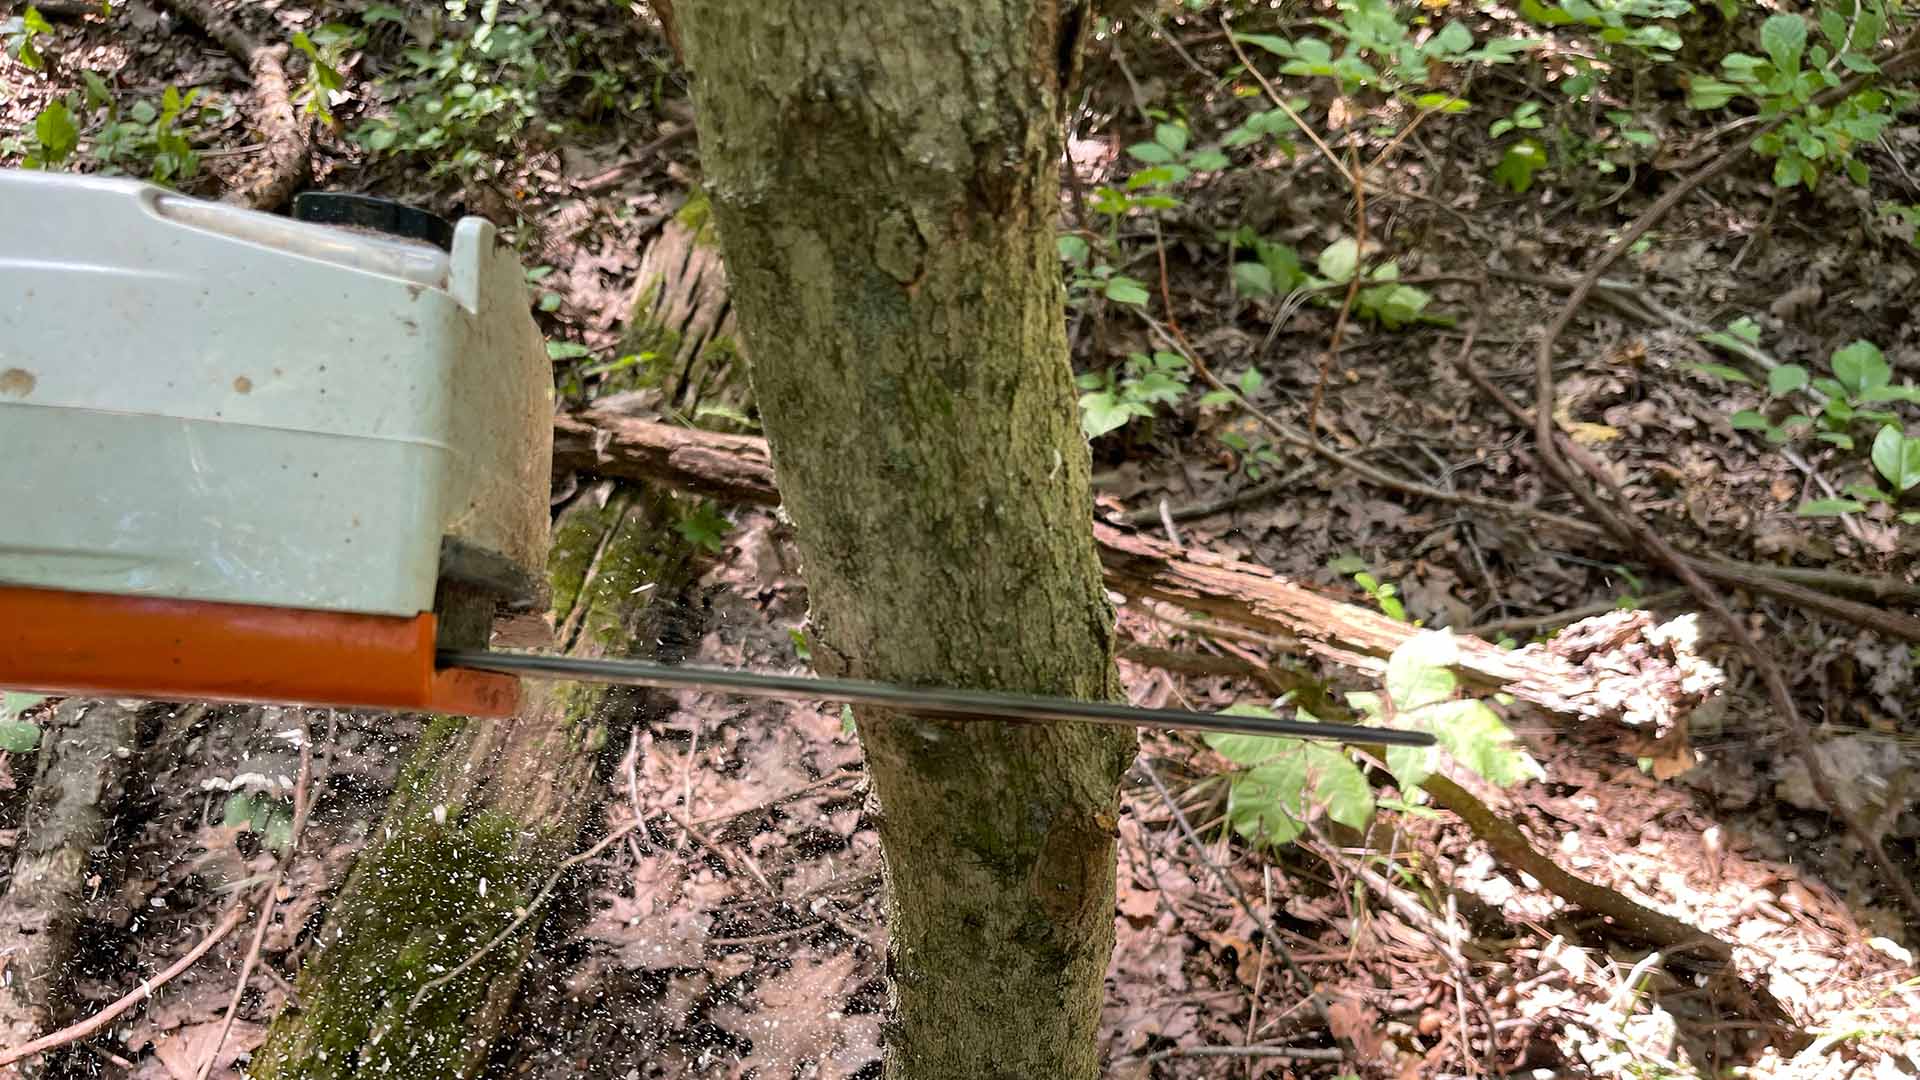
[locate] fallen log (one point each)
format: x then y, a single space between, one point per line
1621 668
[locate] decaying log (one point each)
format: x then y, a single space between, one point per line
84 758
286 133
1620 669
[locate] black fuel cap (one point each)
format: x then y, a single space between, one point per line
380 215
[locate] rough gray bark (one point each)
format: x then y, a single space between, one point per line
883 175
83 763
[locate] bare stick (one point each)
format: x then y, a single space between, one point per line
75 1032
302 801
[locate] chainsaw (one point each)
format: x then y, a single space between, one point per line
307 460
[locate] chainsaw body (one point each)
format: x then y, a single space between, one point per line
247 457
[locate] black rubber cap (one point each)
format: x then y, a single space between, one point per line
380 215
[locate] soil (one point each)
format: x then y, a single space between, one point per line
746 939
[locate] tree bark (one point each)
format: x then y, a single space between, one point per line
884 179
483 813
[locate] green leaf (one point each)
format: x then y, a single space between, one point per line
1171 136
1253 279
1785 38
1208 161
18 736
1250 382
1348 564
1410 765
1722 371
56 132
567 350
1476 738
1338 784
1073 249
1126 290
1278 46
1830 507
1103 412
1837 438
1338 260
1419 671
704 526
1748 420
1910 517
1908 394
1151 153
1264 804
1897 457
549 302
1704 92
1251 750
1786 378
1517 166
1861 367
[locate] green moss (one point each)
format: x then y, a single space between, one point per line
576 539
696 216
421 904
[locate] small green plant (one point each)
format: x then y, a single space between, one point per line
1280 784
1634 25
1383 593
325 49
18 736
1110 400
1085 277
155 140
1832 408
1383 49
55 136
469 95
548 301
1813 139
1276 271
18 33
701 524
259 812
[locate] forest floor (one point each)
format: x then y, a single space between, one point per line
747 941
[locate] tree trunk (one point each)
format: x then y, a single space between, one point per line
483 813
884 179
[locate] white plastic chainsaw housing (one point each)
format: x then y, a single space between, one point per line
208 403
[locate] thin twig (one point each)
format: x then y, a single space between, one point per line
1281 104
521 917
1621 519
75 1032
1233 888
302 802
1301 1053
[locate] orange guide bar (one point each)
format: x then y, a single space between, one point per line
97 644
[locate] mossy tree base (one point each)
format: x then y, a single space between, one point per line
482 815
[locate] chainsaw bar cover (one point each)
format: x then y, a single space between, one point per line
241 455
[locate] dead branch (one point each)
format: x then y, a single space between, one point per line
1632 682
286 133
1556 451
75 1032
82 772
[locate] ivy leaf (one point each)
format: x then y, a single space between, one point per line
1897 457
1786 378
1860 367
1419 671
1339 260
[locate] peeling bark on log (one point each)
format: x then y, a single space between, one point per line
483 813
84 761
287 134
1615 672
